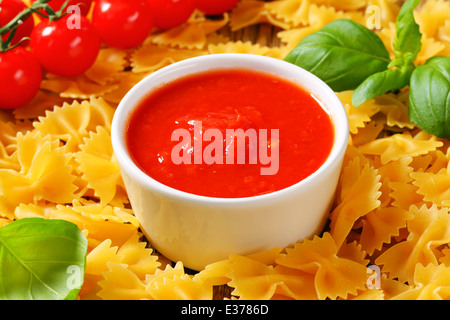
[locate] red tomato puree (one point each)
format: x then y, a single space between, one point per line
226 100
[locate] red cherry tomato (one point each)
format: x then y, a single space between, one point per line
171 13
122 24
215 7
66 47
9 9
85 5
20 78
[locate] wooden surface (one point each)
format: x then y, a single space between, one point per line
263 34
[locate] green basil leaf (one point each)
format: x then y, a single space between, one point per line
429 97
41 259
382 82
408 39
343 54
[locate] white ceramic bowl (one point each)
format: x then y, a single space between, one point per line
200 230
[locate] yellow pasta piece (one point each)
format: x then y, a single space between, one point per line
333 276
6 209
67 123
431 15
347 5
101 114
366 134
44 174
99 228
435 187
445 259
238 47
192 35
98 258
216 273
395 110
399 146
251 12
79 87
444 32
180 287
359 195
278 52
398 171
369 294
153 281
125 82
132 253
98 212
33 210
353 251
99 167
430 48
150 57
387 10
4 222
438 162
404 195
139 259
358 117
120 283
431 282
318 17
219 273
39 105
253 280
8 146
294 12
381 225
268 257
109 63
387 34
428 230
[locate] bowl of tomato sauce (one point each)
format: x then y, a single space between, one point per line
229 154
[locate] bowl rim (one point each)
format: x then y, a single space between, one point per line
141 90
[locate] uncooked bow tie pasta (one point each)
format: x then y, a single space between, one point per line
391 209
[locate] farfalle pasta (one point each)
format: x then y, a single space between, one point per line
428 231
388 235
192 35
251 12
44 172
99 168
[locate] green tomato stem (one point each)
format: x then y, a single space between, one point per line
25 14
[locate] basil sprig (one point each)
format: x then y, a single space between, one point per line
343 54
407 45
348 56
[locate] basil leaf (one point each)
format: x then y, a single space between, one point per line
408 39
382 82
343 54
429 97
41 260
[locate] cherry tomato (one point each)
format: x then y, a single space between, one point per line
122 24
215 7
66 47
20 78
9 9
85 5
171 13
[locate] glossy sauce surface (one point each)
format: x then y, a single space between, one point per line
222 100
